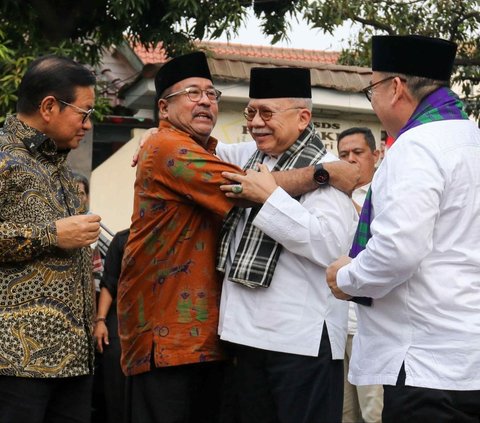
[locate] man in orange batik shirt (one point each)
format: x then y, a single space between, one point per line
169 289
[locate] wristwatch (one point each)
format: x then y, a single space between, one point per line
321 175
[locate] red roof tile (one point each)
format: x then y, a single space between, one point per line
269 52
243 52
154 54
233 62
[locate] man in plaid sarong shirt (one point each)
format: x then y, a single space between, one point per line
285 328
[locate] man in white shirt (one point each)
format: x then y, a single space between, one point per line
286 330
421 337
357 146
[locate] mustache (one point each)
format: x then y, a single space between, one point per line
260 131
203 111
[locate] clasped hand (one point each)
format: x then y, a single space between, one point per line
332 271
257 186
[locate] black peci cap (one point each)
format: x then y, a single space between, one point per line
192 65
280 83
413 55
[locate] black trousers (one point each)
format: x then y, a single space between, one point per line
113 382
177 394
55 400
288 388
410 404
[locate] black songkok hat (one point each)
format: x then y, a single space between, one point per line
280 83
193 65
413 55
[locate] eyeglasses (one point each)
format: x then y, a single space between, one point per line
265 114
195 94
86 113
368 91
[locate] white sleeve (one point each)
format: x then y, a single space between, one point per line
320 228
238 153
409 188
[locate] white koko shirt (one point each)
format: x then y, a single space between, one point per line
422 264
288 316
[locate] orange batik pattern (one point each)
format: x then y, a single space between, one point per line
169 290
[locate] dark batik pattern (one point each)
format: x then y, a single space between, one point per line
46 298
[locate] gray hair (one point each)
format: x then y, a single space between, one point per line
305 103
419 86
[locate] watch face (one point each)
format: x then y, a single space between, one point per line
321 176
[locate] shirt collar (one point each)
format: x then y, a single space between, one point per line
211 142
34 140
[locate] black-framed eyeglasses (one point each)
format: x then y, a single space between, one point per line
368 91
265 114
195 94
86 113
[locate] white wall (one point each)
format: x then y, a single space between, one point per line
111 187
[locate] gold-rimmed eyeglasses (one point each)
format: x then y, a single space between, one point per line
86 113
368 91
195 94
265 114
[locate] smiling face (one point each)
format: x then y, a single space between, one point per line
196 118
65 125
275 135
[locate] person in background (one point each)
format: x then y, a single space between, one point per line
416 250
286 331
83 187
106 330
357 145
46 297
98 400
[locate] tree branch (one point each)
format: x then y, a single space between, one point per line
461 61
374 23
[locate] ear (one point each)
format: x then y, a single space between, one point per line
400 90
376 155
48 107
305 116
163 108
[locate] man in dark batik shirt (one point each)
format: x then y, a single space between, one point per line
46 297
